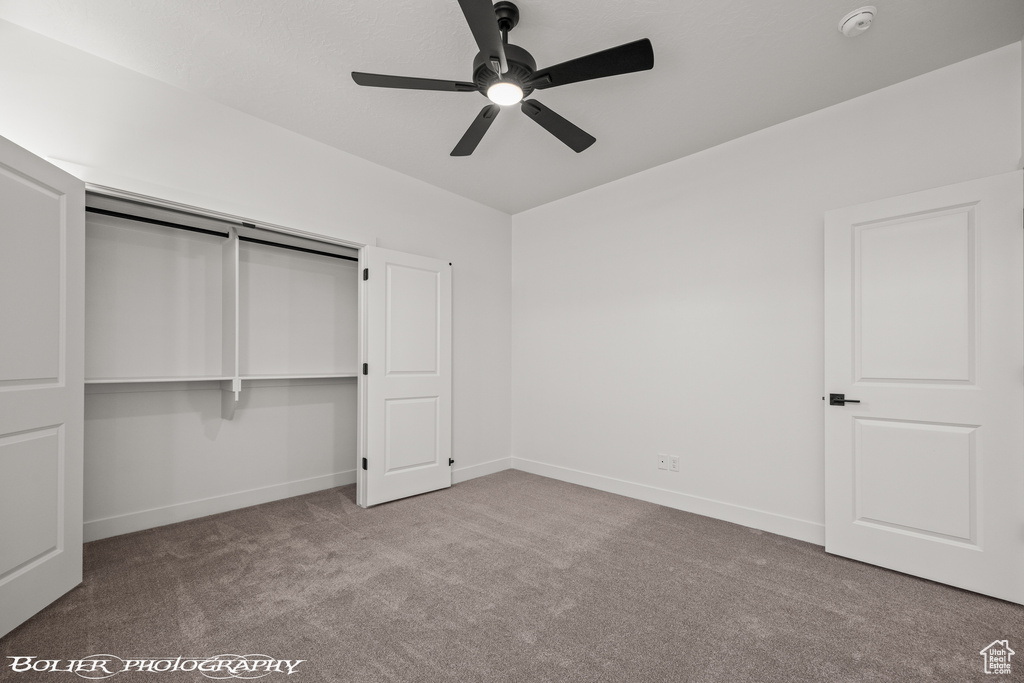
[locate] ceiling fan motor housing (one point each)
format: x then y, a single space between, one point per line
521 66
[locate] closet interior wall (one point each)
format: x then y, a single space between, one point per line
221 366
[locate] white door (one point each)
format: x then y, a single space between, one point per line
407 406
42 228
924 325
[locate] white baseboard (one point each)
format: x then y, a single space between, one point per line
147 519
800 529
461 474
803 530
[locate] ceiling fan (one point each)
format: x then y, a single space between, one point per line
506 74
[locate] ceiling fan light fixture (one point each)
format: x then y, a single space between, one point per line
505 93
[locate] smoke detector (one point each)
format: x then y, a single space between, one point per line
857 21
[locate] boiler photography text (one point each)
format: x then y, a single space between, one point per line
104 666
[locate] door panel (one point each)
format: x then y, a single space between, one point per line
916 310
413 307
30 517
924 325
41 384
938 459
407 404
411 433
31 240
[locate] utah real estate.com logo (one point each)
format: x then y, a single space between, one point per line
997 657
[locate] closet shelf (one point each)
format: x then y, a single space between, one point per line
244 378
326 375
265 312
145 380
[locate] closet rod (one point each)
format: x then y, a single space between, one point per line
154 221
243 238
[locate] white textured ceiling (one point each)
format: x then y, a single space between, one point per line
723 68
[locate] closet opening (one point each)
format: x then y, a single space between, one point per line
222 363
230 362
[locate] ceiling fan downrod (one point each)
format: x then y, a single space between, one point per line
508 18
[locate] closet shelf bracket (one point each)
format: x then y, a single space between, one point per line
230 392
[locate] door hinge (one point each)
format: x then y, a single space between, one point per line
451 461
364 463
366 368
366 273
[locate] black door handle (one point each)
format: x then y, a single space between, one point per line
839 400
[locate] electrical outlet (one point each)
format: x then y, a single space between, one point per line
673 463
662 461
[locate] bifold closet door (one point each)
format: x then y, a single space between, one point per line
408 385
41 383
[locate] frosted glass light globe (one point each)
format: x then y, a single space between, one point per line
504 93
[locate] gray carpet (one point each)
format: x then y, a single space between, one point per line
510 577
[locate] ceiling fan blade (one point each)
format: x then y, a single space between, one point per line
624 59
407 82
573 136
484 25
476 131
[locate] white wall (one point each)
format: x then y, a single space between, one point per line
115 127
680 310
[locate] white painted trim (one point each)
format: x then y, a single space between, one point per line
147 519
102 181
461 474
800 529
115 193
